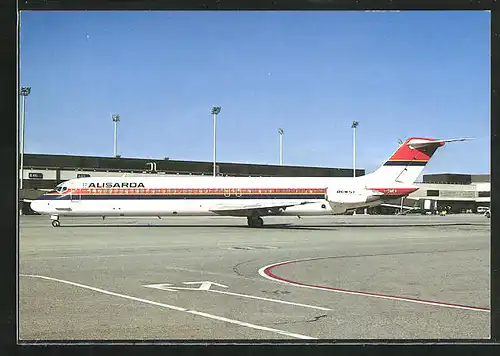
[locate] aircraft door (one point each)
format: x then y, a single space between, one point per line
75 195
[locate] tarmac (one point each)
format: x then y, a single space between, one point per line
315 278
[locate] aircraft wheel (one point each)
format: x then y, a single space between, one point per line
56 223
255 221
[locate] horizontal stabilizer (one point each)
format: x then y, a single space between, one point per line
416 143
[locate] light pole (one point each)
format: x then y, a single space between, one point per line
215 112
25 91
353 126
280 131
116 118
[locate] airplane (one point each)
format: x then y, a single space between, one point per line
250 197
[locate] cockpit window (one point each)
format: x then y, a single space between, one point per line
60 189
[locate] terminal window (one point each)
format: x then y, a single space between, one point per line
433 193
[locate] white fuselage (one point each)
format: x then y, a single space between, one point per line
200 196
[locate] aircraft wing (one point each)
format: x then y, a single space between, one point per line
271 208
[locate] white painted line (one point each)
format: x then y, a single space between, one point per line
206 288
210 316
364 294
225 275
269 299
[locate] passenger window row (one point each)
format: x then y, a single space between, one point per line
192 191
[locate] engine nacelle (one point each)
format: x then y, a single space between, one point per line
347 196
341 200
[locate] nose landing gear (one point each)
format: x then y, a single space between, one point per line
55 221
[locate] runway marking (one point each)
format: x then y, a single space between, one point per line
169 287
266 273
163 305
252 248
271 300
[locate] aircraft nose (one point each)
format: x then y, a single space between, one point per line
38 206
34 205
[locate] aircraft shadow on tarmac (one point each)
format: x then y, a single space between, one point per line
205 226
273 226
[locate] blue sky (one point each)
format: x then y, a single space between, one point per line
400 74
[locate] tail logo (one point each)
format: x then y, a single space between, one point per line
406 164
413 156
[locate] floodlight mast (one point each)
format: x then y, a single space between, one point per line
116 118
353 126
25 91
215 111
280 131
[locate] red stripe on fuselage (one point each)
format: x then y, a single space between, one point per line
394 191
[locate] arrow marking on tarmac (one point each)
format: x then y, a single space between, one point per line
205 286
172 307
164 287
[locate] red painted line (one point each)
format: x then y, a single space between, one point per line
266 271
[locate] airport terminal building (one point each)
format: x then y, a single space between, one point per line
456 192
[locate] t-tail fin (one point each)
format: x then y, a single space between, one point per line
410 159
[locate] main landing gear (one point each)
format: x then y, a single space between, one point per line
55 221
255 221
